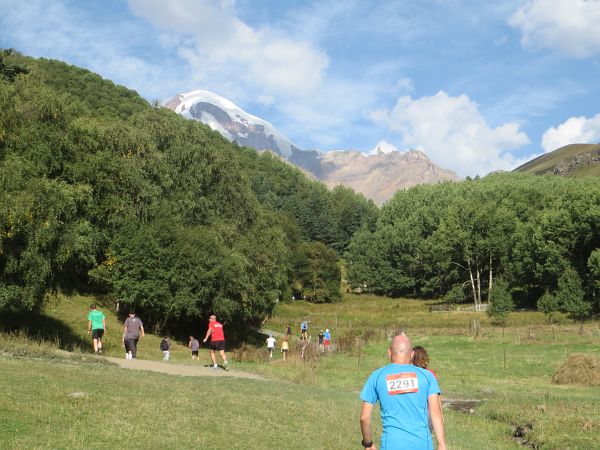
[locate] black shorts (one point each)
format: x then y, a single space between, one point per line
194 352
217 345
97 334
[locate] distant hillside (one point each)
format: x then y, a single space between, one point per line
576 160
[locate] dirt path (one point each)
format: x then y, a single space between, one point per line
180 369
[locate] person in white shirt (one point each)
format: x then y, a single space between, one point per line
271 346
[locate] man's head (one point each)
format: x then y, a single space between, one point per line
131 313
92 306
400 350
212 318
191 338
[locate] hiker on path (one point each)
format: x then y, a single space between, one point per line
165 346
421 359
304 330
405 393
194 346
285 347
321 341
133 330
327 341
288 330
217 341
96 327
271 346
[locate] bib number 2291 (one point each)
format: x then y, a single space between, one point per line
402 383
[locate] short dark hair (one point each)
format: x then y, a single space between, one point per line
93 306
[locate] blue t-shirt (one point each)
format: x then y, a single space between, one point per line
328 335
402 391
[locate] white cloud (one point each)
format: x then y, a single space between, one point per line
575 130
453 133
265 59
55 30
569 26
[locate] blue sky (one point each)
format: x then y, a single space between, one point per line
478 86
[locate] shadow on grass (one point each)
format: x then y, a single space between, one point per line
36 325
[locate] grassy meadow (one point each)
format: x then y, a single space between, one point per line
52 399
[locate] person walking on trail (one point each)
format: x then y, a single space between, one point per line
97 328
285 347
165 346
327 339
271 346
420 359
304 330
194 346
321 341
288 330
133 330
406 393
217 341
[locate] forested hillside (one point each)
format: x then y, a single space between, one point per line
541 235
105 193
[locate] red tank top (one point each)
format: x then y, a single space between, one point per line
217 331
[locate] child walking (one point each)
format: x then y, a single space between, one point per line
194 346
165 346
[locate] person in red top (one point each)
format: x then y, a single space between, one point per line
217 341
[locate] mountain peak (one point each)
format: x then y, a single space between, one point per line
377 174
231 121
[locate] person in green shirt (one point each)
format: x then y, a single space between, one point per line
96 327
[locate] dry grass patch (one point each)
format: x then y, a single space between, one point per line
580 369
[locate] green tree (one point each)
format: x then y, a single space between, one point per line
570 295
502 303
318 273
549 305
593 264
455 295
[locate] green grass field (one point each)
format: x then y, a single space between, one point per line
51 400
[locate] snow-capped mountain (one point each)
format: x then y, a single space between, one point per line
377 175
231 121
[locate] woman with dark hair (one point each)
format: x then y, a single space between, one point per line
421 359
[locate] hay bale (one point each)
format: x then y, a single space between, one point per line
579 369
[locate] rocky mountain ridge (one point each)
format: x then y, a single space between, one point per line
376 175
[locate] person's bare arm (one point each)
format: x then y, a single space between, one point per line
365 424
89 326
208 333
435 412
142 334
104 324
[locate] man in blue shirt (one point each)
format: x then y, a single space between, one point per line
406 394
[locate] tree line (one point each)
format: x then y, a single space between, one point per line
536 237
102 192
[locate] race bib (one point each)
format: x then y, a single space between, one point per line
402 383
